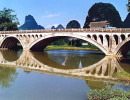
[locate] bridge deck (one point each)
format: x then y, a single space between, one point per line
111 30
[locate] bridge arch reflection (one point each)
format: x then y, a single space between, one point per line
105 68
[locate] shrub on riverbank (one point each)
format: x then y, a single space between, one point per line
123 76
109 93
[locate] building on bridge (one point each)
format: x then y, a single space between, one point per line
100 24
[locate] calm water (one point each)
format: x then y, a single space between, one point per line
34 75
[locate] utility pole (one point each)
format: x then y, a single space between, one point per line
128 6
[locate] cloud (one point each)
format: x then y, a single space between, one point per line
51 15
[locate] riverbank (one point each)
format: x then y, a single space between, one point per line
55 47
109 92
123 76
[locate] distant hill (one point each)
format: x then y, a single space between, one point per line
103 12
30 24
53 27
127 21
60 27
73 24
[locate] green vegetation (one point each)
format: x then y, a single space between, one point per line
123 76
109 93
69 41
61 42
8 21
73 42
66 44
66 47
102 12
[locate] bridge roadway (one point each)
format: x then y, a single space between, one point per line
104 69
113 42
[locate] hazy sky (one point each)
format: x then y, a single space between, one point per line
53 12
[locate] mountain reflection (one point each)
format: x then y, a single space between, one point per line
75 60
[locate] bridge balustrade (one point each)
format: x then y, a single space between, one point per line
119 30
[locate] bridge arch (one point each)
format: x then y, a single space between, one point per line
123 37
44 41
123 48
101 38
10 42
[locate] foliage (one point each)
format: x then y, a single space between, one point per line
61 42
8 21
119 98
123 75
102 12
73 24
76 43
109 93
73 42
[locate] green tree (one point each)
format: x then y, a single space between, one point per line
60 42
8 21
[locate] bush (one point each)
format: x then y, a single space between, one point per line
109 93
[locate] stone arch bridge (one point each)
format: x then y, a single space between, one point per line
114 42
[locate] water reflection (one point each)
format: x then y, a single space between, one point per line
125 64
94 69
7 76
75 59
95 84
66 64
10 55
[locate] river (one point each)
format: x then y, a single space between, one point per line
56 74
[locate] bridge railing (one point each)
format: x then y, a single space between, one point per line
111 30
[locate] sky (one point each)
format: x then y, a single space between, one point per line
53 12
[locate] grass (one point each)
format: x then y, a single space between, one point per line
66 47
109 93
